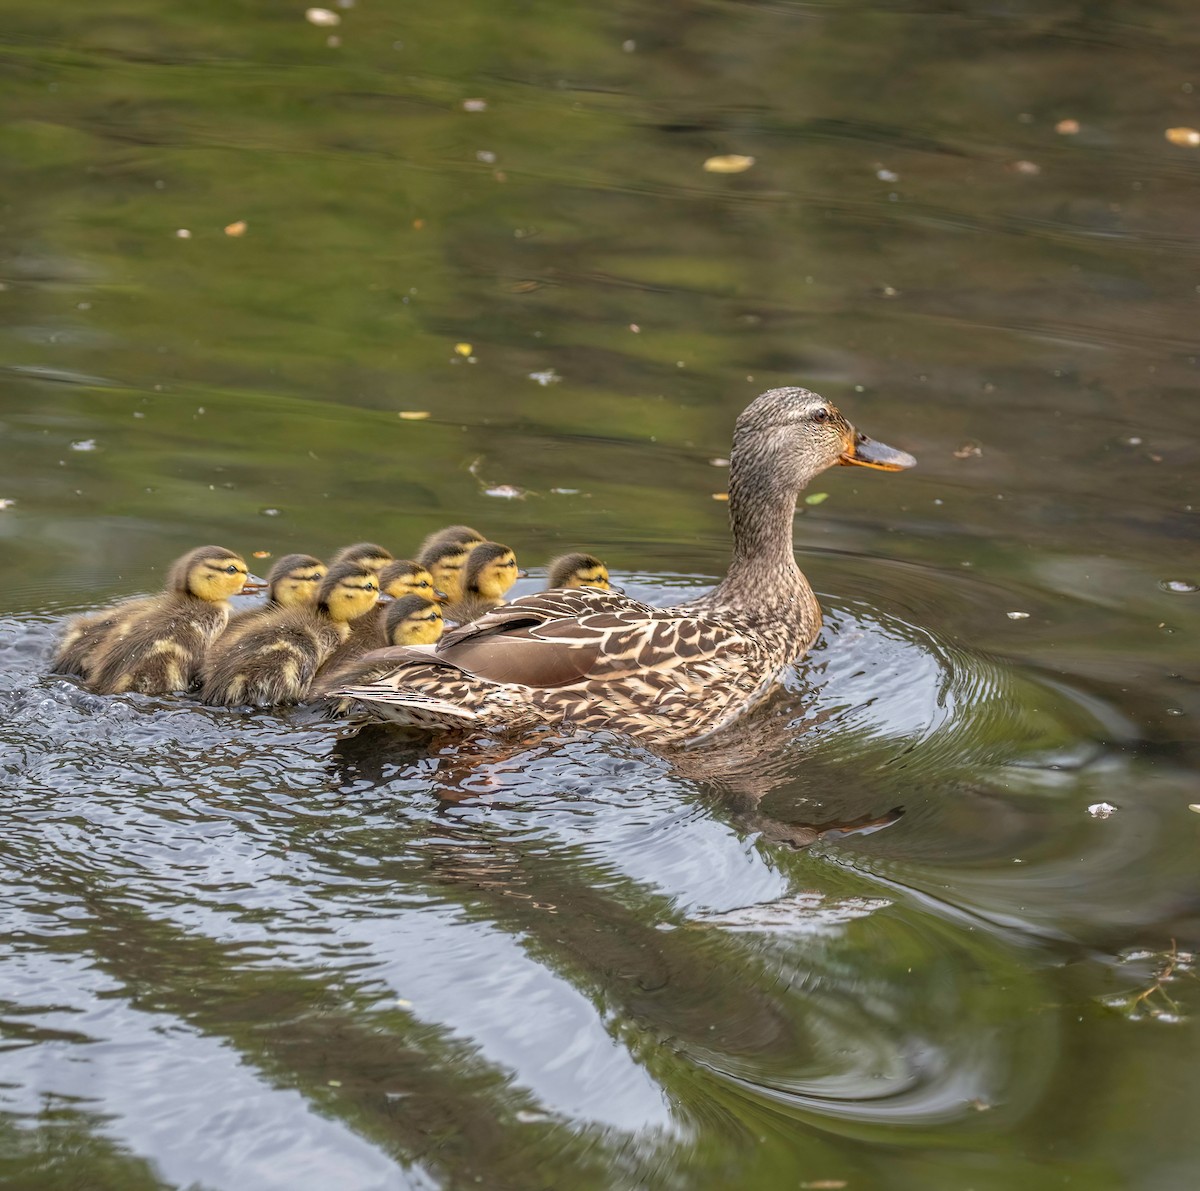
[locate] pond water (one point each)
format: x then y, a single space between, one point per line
262 951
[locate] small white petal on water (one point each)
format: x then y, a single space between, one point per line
1017 615
549 377
322 18
1101 810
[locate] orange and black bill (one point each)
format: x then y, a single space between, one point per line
866 452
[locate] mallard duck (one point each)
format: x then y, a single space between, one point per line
600 660
370 555
410 620
275 660
489 573
463 535
156 645
577 570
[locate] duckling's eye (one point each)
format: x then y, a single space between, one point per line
820 415
231 569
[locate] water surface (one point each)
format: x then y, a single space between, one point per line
264 951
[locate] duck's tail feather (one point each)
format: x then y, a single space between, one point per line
409 708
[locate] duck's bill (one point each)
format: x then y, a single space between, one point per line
866 452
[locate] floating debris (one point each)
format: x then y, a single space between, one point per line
1017 615
237 228
565 491
549 377
462 349
729 163
474 105
969 450
84 444
6 503
1101 810
816 498
887 175
322 18
414 415
1178 586
719 461
1187 137
720 496
486 156
183 233
1192 806
269 512
1030 169
506 492
261 554
635 328
1067 127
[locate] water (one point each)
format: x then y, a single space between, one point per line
263 951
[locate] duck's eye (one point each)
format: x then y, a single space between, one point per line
820 415
231 569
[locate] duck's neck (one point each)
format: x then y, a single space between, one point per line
763 579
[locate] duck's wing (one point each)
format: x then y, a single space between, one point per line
575 638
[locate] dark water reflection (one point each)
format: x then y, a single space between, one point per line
268 951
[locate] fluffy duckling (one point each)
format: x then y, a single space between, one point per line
445 562
410 620
276 659
368 554
464 535
157 645
577 570
292 582
490 571
403 577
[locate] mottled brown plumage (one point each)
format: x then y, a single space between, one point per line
275 660
600 660
156 646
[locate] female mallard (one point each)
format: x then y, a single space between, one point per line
577 570
487 576
275 659
410 620
156 646
603 661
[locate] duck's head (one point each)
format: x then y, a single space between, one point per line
413 620
445 562
366 554
209 573
490 571
293 581
348 591
402 578
577 570
794 434
461 535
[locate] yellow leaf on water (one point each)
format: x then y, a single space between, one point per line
729 163
1067 127
462 349
236 229
414 415
720 496
262 554
1188 137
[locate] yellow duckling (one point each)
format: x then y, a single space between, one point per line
577 570
463 535
156 645
410 620
368 554
276 659
291 583
487 577
403 577
445 562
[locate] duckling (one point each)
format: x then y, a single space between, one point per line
410 620
445 561
403 577
464 535
292 582
276 659
371 556
157 645
490 571
576 570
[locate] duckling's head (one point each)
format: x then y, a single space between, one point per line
786 436
209 573
366 554
577 570
402 578
490 571
413 620
461 535
294 579
348 591
445 563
